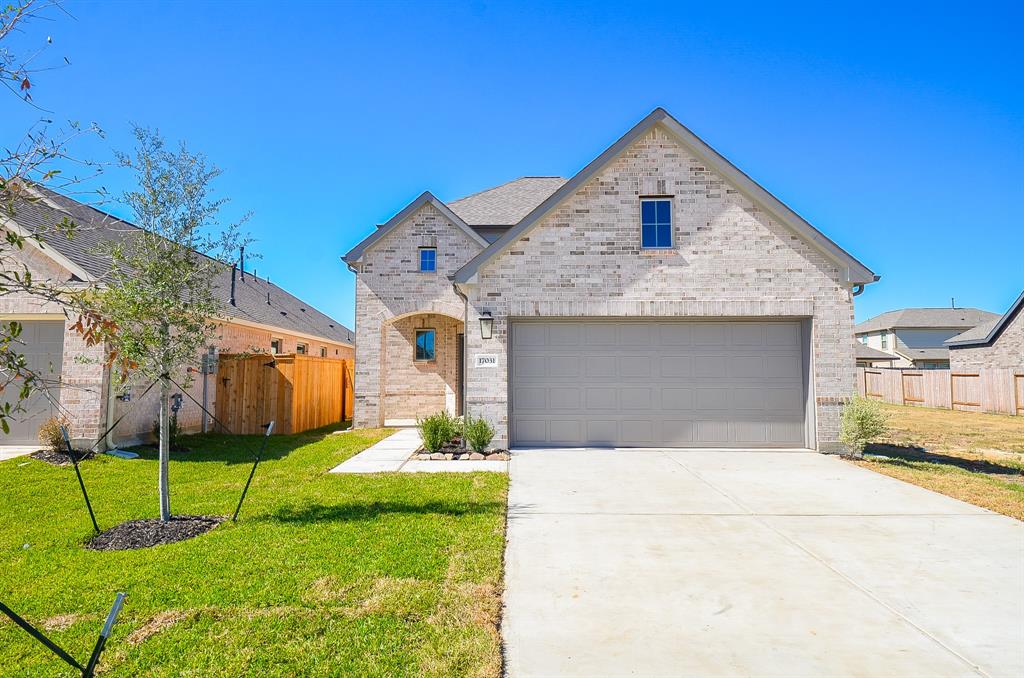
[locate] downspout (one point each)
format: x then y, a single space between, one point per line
108 439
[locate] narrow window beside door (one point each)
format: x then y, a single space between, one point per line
425 345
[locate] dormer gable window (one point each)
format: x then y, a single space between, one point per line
656 223
428 259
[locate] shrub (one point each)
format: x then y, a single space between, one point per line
437 429
173 434
863 421
50 435
479 433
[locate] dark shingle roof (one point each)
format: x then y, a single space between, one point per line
507 204
986 332
865 352
926 318
924 353
93 227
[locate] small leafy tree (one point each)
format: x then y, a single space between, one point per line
862 422
157 304
479 433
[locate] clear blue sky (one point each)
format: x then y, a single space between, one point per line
896 130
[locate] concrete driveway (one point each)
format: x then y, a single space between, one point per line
729 563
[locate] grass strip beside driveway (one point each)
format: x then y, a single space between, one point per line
971 456
323 575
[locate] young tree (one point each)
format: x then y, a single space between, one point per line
157 306
32 161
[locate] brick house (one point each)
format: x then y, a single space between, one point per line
256 315
998 343
916 337
659 297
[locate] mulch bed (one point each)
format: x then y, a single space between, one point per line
61 458
140 534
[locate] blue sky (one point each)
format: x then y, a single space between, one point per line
897 130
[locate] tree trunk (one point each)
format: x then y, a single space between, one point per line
165 448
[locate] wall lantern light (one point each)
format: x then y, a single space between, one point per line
486 325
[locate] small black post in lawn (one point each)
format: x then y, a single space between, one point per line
89 670
263 447
81 483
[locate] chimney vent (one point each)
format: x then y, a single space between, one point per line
231 299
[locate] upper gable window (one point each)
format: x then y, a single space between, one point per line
655 223
428 259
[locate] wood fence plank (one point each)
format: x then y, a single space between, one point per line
998 391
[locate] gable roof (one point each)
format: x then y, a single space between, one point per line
926 318
986 332
856 272
865 352
95 227
507 204
923 353
392 223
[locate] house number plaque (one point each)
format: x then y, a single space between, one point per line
487 360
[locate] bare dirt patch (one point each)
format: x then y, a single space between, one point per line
155 625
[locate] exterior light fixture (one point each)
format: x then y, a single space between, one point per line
486 325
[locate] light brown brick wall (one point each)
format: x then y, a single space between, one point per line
1006 351
413 388
389 286
730 259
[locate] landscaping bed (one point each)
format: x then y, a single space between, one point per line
323 574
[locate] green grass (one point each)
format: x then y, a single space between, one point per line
323 575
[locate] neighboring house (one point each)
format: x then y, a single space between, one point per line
660 297
870 357
993 344
917 336
255 316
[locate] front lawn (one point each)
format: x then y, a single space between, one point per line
323 575
971 456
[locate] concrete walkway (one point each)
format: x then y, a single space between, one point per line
13 451
392 454
727 563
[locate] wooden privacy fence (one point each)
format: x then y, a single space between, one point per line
298 392
987 390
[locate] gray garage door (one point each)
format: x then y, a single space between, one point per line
42 344
639 383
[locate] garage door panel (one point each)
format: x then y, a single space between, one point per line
658 383
42 345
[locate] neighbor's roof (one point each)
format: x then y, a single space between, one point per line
507 204
986 332
925 318
94 227
924 353
865 352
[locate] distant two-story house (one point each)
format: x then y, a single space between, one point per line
917 336
659 297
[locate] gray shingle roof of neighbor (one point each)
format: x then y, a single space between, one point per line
865 352
94 227
924 353
925 318
986 332
507 204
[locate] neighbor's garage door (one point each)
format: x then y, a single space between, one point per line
644 383
42 344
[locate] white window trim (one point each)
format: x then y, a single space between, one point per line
419 259
671 222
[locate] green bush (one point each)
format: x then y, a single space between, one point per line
479 433
863 421
438 429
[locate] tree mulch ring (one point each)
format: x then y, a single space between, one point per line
61 458
140 534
